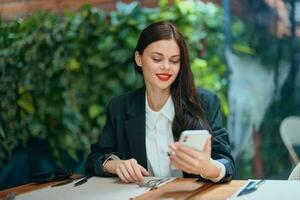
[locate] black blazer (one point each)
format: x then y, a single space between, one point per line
124 133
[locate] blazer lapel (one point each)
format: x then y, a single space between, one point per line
135 126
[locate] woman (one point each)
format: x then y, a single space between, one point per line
142 125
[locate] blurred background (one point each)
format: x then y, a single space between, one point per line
62 61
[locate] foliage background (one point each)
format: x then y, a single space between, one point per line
58 73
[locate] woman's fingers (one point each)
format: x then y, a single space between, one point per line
193 152
186 149
207 146
125 173
181 164
121 176
137 171
130 171
144 171
186 158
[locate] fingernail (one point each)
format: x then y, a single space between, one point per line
177 144
173 146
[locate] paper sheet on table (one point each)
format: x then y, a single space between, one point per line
94 189
272 189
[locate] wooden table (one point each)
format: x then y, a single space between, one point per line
206 192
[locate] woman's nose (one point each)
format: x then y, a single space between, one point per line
165 65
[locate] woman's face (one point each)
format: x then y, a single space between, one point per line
160 63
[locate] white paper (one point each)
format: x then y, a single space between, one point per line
94 189
272 189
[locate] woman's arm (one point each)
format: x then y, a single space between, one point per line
103 148
105 159
221 150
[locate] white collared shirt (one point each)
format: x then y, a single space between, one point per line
158 137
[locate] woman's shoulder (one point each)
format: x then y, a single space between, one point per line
207 97
127 97
205 94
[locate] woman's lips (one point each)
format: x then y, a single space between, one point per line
163 77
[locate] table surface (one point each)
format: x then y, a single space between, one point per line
187 189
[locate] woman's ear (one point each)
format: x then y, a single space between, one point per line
137 58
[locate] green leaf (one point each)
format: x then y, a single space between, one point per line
73 65
243 49
27 106
95 110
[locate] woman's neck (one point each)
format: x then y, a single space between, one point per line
157 98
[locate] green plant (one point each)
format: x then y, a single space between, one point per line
58 73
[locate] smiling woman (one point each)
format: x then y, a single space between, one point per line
143 125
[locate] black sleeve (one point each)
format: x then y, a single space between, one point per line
105 146
221 150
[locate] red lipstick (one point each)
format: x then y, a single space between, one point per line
163 77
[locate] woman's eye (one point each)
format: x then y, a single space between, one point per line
156 59
174 61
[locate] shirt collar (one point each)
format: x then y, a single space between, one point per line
167 110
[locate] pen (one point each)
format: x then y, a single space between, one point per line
251 187
69 180
62 183
82 181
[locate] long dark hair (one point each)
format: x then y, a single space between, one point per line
189 113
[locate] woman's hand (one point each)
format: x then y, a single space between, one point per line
194 162
129 171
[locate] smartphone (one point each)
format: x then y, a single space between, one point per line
194 138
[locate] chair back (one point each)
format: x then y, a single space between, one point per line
290 134
295 175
